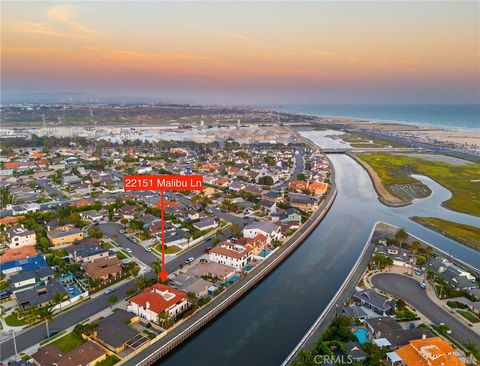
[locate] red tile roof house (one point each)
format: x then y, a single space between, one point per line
157 299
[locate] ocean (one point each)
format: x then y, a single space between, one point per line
451 116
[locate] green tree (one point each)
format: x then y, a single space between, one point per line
156 268
381 261
58 299
401 235
266 180
112 299
45 313
301 176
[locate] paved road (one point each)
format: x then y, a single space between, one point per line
298 168
240 221
409 290
63 321
51 190
91 307
112 230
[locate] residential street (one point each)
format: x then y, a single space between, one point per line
91 307
409 290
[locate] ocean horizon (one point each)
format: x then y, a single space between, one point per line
447 116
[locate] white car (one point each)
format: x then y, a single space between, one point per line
148 249
189 260
109 290
128 250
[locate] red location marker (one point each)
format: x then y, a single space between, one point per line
163 183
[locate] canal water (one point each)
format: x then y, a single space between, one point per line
263 327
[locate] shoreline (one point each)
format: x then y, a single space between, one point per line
372 120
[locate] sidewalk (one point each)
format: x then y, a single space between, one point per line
432 295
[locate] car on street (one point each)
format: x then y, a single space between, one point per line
189 260
422 284
128 250
52 332
109 290
148 249
207 249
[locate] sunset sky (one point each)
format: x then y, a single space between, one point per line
262 52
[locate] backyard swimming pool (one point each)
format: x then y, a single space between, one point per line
264 253
362 335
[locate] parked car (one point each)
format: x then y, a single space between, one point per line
189 260
128 250
207 249
148 249
109 290
52 332
422 284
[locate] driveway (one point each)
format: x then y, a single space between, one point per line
410 291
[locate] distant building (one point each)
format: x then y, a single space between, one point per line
22 258
103 269
63 235
19 236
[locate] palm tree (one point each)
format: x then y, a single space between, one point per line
414 247
401 235
192 297
156 268
58 299
45 313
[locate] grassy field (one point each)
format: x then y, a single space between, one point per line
459 179
465 234
359 140
68 342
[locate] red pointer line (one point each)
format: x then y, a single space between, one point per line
163 273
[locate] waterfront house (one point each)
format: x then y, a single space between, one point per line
211 269
116 333
230 254
373 300
269 229
158 299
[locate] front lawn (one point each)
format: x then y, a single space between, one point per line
471 317
13 321
171 249
121 255
68 342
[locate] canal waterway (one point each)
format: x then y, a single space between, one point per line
264 326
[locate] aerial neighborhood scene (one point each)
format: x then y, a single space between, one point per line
222 184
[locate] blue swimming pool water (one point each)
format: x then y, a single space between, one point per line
233 278
264 254
247 268
361 334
